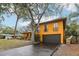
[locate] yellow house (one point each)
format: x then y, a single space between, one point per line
52 31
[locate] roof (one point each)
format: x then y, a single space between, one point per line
55 20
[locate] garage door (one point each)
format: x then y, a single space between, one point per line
52 39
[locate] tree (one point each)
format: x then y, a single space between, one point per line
72 29
8 30
35 12
16 9
74 14
1 12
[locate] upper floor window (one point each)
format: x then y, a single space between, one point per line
55 27
45 27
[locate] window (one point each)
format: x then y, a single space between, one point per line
55 27
45 27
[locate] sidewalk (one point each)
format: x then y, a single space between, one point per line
67 50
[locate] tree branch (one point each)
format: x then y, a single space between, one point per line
39 17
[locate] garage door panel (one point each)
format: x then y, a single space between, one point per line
52 39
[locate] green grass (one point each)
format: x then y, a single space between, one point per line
8 44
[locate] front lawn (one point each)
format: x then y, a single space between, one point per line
8 44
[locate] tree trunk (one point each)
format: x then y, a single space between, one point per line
32 25
33 35
33 32
15 28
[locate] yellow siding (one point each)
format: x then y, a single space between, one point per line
50 30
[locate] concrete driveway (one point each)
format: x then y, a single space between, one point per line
30 50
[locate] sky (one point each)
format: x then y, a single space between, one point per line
10 21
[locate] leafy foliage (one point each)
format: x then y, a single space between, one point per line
7 30
72 29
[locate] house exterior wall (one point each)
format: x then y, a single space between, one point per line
50 27
26 35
